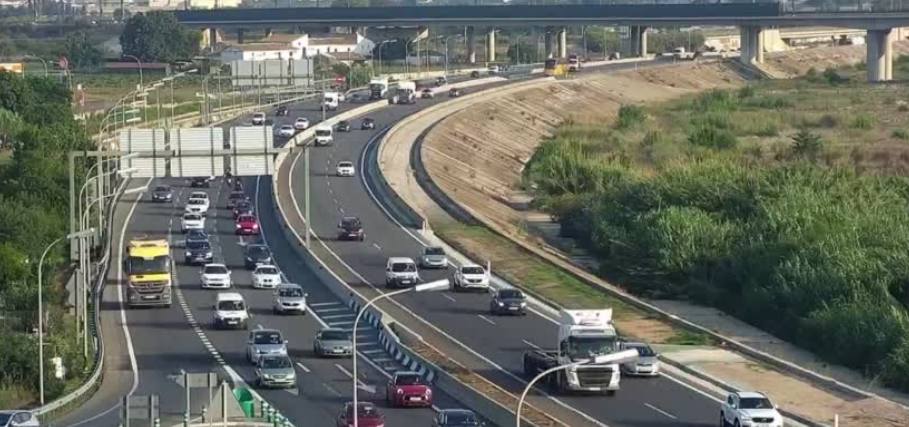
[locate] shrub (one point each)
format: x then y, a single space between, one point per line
862 121
900 134
746 91
712 137
828 121
769 102
832 77
807 144
630 116
716 100
903 108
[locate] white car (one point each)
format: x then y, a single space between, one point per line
215 276
192 221
286 131
258 118
493 69
230 311
346 169
401 272
301 123
19 418
266 277
749 409
471 276
197 206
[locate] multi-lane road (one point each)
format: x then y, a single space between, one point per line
161 342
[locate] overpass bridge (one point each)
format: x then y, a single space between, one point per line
752 18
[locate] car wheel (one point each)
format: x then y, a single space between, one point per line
737 423
722 420
274 310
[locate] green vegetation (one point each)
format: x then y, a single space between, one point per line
157 36
666 41
37 128
82 52
521 52
784 204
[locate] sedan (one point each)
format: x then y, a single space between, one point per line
433 257
275 371
332 342
289 298
258 119
281 111
197 206
285 131
647 364
508 301
427 94
266 277
343 126
263 342
301 123
456 418
197 252
162 193
346 169
196 235
246 224
215 276
367 123
235 197
368 415
192 221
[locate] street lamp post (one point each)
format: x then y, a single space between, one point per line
138 61
43 62
41 306
624 356
437 285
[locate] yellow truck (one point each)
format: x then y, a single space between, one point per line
148 266
554 68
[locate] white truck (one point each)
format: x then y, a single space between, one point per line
324 135
681 54
583 335
331 100
406 93
378 88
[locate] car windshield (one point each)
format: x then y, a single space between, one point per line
198 245
266 270
345 164
364 411
291 292
162 189
511 294
215 269
243 204
192 217
755 403
343 123
643 350
276 363
258 251
4 418
246 218
197 201
302 120
323 132
434 251
586 347
472 270
259 115
403 267
196 235
409 379
267 338
335 336
138 265
287 127
230 305
461 419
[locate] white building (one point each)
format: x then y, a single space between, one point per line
297 46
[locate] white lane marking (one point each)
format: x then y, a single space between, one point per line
376 245
535 347
331 310
360 384
293 390
343 322
449 297
488 320
660 411
373 351
339 316
322 304
331 389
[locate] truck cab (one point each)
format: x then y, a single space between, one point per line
148 266
583 335
324 135
378 88
406 93
331 100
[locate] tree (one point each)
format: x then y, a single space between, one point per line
158 36
522 52
598 38
81 52
391 50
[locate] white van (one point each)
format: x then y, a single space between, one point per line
324 135
230 311
331 100
401 272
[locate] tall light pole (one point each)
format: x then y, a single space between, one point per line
381 45
70 236
138 61
43 62
437 285
624 356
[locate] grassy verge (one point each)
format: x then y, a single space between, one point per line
557 286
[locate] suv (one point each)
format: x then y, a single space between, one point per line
255 255
162 193
433 257
230 311
648 363
265 341
289 298
343 126
197 251
471 276
345 168
350 228
401 272
749 409
427 93
332 342
408 389
508 301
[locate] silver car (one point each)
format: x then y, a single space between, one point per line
647 364
433 257
332 342
289 298
264 342
275 371
18 419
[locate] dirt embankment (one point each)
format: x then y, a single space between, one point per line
797 62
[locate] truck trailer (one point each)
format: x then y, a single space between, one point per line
405 93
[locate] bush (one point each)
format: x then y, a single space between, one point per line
712 137
832 77
630 116
746 91
900 134
862 121
716 100
807 144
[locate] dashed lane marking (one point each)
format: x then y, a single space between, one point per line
488 320
449 297
660 411
303 367
536 347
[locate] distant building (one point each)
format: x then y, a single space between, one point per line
343 47
259 52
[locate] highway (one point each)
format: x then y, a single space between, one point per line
641 402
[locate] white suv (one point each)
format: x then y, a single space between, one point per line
401 272
215 276
749 409
230 311
471 276
258 119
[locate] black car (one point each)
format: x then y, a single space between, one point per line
162 193
368 123
200 182
197 252
256 255
508 301
196 235
281 111
242 207
236 197
474 74
343 126
454 92
456 418
350 228
440 81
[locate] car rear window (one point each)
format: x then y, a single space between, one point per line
245 218
197 201
259 251
290 292
198 245
267 338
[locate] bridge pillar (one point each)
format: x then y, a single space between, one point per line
491 45
547 43
639 41
751 44
880 55
241 35
268 33
563 42
471 45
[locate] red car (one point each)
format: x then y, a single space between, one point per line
368 415
247 224
408 389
